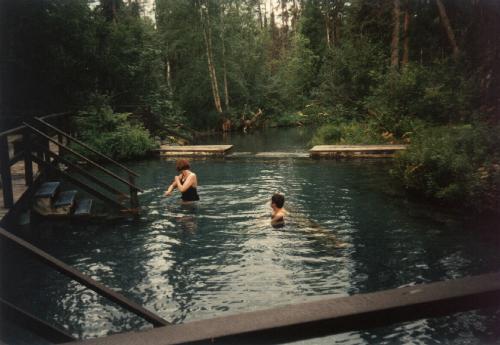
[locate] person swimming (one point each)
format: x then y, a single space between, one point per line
278 214
186 182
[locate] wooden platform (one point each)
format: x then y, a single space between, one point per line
194 150
18 184
364 151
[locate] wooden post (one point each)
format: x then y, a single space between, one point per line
8 198
28 163
134 200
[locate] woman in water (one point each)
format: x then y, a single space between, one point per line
186 182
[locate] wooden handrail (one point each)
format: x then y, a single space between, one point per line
87 175
19 128
9 311
91 162
90 283
78 183
85 146
326 316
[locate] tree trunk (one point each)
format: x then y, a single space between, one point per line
406 36
395 36
259 13
284 23
328 34
207 35
224 70
447 27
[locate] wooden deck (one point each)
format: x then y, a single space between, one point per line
194 150
364 151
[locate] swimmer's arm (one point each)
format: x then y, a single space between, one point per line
170 189
182 187
172 186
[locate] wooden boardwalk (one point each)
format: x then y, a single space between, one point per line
365 151
194 150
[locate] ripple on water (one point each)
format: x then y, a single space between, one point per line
343 236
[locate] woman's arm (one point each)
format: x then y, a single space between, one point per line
172 186
182 187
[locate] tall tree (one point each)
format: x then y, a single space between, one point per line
207 35
445 21
223 44
406 34
395 35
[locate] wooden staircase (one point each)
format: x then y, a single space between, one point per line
50 201
49 156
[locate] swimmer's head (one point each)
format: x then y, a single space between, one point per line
182 164
278 200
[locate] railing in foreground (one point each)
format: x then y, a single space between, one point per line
294 322
324 317
76 275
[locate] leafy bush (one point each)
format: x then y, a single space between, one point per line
453 165
112 134
350 133
437 94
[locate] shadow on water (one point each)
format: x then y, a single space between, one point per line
346 234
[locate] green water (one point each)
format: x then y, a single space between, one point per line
350 231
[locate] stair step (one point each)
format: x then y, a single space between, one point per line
47 190
65 198
83 207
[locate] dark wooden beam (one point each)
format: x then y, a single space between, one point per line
17 316
5 175
326 316
74 274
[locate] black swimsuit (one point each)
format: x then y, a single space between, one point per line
191 194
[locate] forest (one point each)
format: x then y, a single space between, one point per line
421 72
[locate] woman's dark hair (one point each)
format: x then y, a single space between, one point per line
278 200
182 164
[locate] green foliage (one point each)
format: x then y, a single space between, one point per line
458 164
295 74
435 94
351 132
349 73
112 134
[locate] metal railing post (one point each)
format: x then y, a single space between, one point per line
8 198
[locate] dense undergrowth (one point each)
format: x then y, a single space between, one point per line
115 135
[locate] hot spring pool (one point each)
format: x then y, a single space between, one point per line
349 232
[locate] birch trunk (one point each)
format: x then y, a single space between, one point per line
328 34
207 35
395 36
259 13
224 70
447 27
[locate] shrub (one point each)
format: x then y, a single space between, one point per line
453 165
437 94
112 134
350 133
